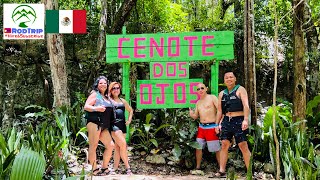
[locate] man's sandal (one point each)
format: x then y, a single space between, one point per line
219 175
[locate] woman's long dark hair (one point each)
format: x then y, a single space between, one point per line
96 83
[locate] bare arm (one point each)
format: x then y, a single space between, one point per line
215 101
129 109
194 114
245 102
246 110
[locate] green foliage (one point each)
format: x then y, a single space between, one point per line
159 16
9 147
315 9
313 117
182 132
145 133
284 111
297 153
28 165
48 139
231 175
312 106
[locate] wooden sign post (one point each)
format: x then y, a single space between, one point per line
169 55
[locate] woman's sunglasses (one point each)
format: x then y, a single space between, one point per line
114 88
202 88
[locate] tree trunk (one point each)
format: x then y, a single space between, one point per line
224 7
249 58
239 51
57 64
299 64
122 15
313 84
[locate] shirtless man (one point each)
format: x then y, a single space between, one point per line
206 108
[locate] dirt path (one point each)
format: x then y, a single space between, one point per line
152 177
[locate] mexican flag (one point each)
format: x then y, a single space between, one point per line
66 21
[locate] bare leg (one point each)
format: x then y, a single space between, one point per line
120 140
218 156
106 139
198 158
93 135
224 155
245 152
116 156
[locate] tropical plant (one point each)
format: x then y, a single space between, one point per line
298 157
28 165
146 132
182 132
313 117
9 147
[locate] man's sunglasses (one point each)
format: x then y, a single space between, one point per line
202 88
114 88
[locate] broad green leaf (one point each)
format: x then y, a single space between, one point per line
28 165
147 127
161 127
148 118
154 142
176 151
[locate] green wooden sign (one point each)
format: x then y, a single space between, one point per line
169 70
187 46
155 94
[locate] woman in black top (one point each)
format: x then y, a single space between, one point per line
118 126
99 116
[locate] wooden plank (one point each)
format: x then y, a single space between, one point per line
184 39
169 70
185 46
154 94
219 52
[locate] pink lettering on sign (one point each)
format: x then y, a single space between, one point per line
159 48
192 91
173 64
183 93
120 46
181 68
205 46
190 39
149 88
163 99
137 47
170 40
155 65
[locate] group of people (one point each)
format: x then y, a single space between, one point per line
105 114
222 119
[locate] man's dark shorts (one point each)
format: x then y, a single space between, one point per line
232 127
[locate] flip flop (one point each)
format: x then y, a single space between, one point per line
103 172
219 175
129 172
95 172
